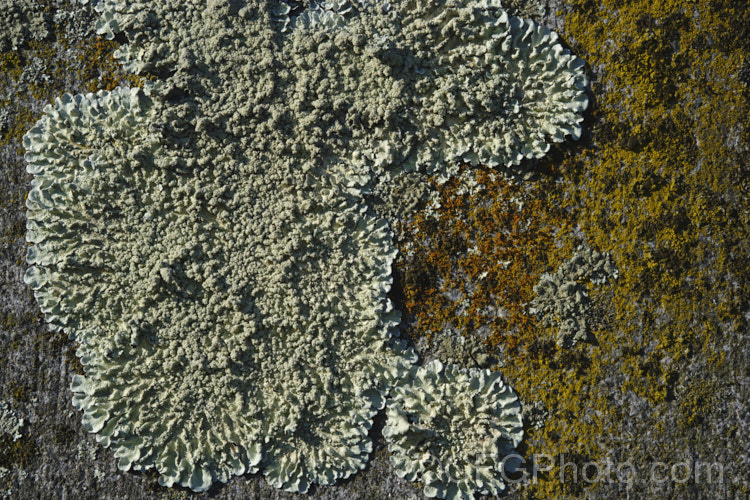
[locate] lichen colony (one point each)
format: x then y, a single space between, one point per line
206 238
455 430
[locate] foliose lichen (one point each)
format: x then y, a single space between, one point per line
10 423
464 351
454 430
402 86
35 73
143 277
325 14
562 298
207 241
5 119
534 413
77 22
21 21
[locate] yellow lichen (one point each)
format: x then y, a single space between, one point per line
659 187
658 183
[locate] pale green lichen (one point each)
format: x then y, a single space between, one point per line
399 87
77 22
534 413
86 451
326 14
465 351
562 298
205 407
207 239
35 73
502 94
10 423
20 22
454 430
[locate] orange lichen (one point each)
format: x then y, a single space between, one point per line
476 265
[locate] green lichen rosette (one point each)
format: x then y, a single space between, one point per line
454 430
228 319
562 298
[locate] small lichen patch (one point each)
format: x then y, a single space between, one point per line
562 298
452 428
35 73
534 414
86 450
16 448
466 352
10 423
